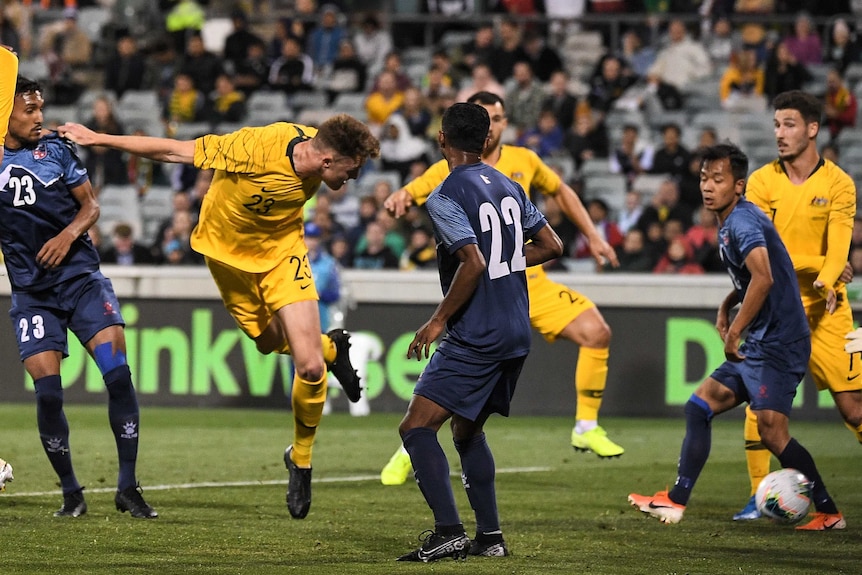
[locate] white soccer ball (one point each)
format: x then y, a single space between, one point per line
784 496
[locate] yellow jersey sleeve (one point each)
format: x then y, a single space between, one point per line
8 78
421 187
251 217
527 168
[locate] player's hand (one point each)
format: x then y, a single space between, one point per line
854 342
731 347
603 252
77 133
828 294
847 275
55 250
398 202
722 323
424 338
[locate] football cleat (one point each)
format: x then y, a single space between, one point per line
396 471
596 440
658 505
5 474
341 368
488 546
73 505
436 546
824 522
749 513
298 487
131 499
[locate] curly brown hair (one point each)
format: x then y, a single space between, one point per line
348 137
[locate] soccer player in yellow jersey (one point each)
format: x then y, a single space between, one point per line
555 310
812 203
251 234
8 78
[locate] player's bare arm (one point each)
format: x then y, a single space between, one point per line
398 202
828 294
545 245
55 250
159 149
757 263
722 320
574 209
464 283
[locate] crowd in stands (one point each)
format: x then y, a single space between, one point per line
619 112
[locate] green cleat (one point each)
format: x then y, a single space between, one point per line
397 470
596 440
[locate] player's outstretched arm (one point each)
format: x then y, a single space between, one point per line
546 245
574 209
159 149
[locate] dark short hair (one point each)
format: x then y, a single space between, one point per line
466 126
26 85
486 99
737 158
807 105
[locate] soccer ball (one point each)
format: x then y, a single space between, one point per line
784 496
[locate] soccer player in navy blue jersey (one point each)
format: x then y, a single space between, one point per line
46 207
482 221
766 369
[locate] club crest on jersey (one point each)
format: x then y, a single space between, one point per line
724 236
819 202
40 153
109 308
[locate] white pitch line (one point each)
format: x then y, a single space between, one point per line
204 484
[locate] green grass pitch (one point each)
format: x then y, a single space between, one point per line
218 481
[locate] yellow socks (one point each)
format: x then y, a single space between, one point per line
857 431
591 376
307 399
756 455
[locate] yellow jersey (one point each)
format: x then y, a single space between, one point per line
814 219
8 78
251 217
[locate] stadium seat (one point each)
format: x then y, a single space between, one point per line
365 185
595 167
351 103
34 68
309 99
119 204
648 184
155 207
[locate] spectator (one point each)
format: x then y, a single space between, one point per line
162 66
185 102
566 229
373 253
689 183
126 67
664 207
398 147
783 72
125 250
322 218
440 75
479 50
840 106
293 71
560 100
348 74
372 43
482 80
325 40
524 99
508 51
253 71
587 138
681 63
66 48
742 85
804 43
394 66
415 112
633 156
105 165
830 152
856 260
609 84
421 253
324 268
546 139
8 32
143 172
383 101
543 59
678 259
344 207
608 230
708 137
639 56
202 66
185 19
367 213
703 238
284 29
633 209
719 42
175 247
843 48
237 43
339 247
671 158
228 103
633 254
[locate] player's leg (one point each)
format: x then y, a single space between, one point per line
757 459
5 473
849 403
709 399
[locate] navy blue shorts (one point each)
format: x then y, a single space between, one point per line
86 305
470 387
769 375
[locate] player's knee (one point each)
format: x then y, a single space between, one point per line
107 358
311 370
264 347
49 394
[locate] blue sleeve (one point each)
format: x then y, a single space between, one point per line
450 222
747 234
74 171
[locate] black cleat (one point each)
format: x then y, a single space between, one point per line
488 546
341 368
73 505
298 487
436 546
131 499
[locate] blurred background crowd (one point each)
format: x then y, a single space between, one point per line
616 95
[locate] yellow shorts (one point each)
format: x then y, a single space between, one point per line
831 367
253 298
553 306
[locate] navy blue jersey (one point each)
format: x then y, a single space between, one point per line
782 317
477 204
36 203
